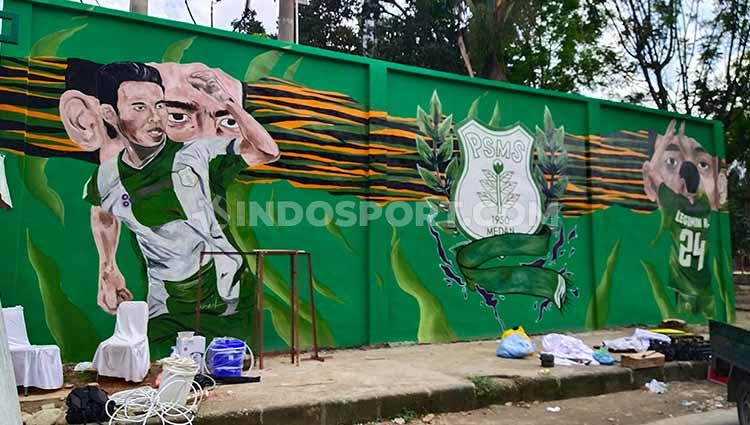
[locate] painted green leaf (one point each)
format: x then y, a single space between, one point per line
424 149
495 120
449 227
474 108
436 108
379 280
335 230
549 125
433 323
423 121
429 178
326 291
453 169
445 152
445 127
292 70
35 179
262 65
437 205
724 292
50 43
174 52
598 311
238 194
657 287
71 329
272 211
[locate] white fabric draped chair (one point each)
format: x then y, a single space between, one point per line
125 354
37 366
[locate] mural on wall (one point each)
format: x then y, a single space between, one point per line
687 184
172 151
183 135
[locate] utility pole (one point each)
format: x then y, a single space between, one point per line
286 20
139 6
9 405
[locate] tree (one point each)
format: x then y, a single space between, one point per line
330 24
420 33
549 44
248 22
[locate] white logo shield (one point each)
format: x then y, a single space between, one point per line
496 193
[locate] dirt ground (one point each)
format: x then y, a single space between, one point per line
625 408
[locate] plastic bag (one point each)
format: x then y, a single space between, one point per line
515 346
603 357
514 330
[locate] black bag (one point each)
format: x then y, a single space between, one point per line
86 405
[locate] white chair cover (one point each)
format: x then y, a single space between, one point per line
34 365
125 355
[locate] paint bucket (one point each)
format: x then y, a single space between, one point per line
548 360
177 379
225 357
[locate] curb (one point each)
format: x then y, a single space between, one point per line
476 392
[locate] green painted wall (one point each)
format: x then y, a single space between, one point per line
347 130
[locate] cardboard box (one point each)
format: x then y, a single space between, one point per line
642 360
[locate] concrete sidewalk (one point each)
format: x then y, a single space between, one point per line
363 385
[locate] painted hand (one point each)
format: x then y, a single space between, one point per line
112 289
208 82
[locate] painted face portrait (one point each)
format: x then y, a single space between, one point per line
192 113
684 166
141 113
186 113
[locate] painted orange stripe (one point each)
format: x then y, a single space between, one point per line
396 132
320 186
315 104
390 189
295 124
8 89
21 153
52 64
305 113
298 90
393 149
67 142
44 74
339 149
316 158
59 147
35 114
341 170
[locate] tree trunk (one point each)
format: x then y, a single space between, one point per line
286 20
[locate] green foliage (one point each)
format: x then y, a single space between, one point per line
35 179
71 329
49 44
440 166
176 50
328 24
487 391
290 72
666 308
248 23
335 230
433 323
551 162
262 65
598 310
552 44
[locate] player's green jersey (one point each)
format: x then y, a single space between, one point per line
689 274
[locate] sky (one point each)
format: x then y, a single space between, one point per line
224 11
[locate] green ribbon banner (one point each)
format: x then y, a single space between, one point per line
527 280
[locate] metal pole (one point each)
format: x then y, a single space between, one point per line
286 20
9 405
139 6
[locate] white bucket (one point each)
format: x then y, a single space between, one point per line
177 379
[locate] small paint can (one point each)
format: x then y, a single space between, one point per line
548 360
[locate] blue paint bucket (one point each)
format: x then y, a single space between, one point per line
225 356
